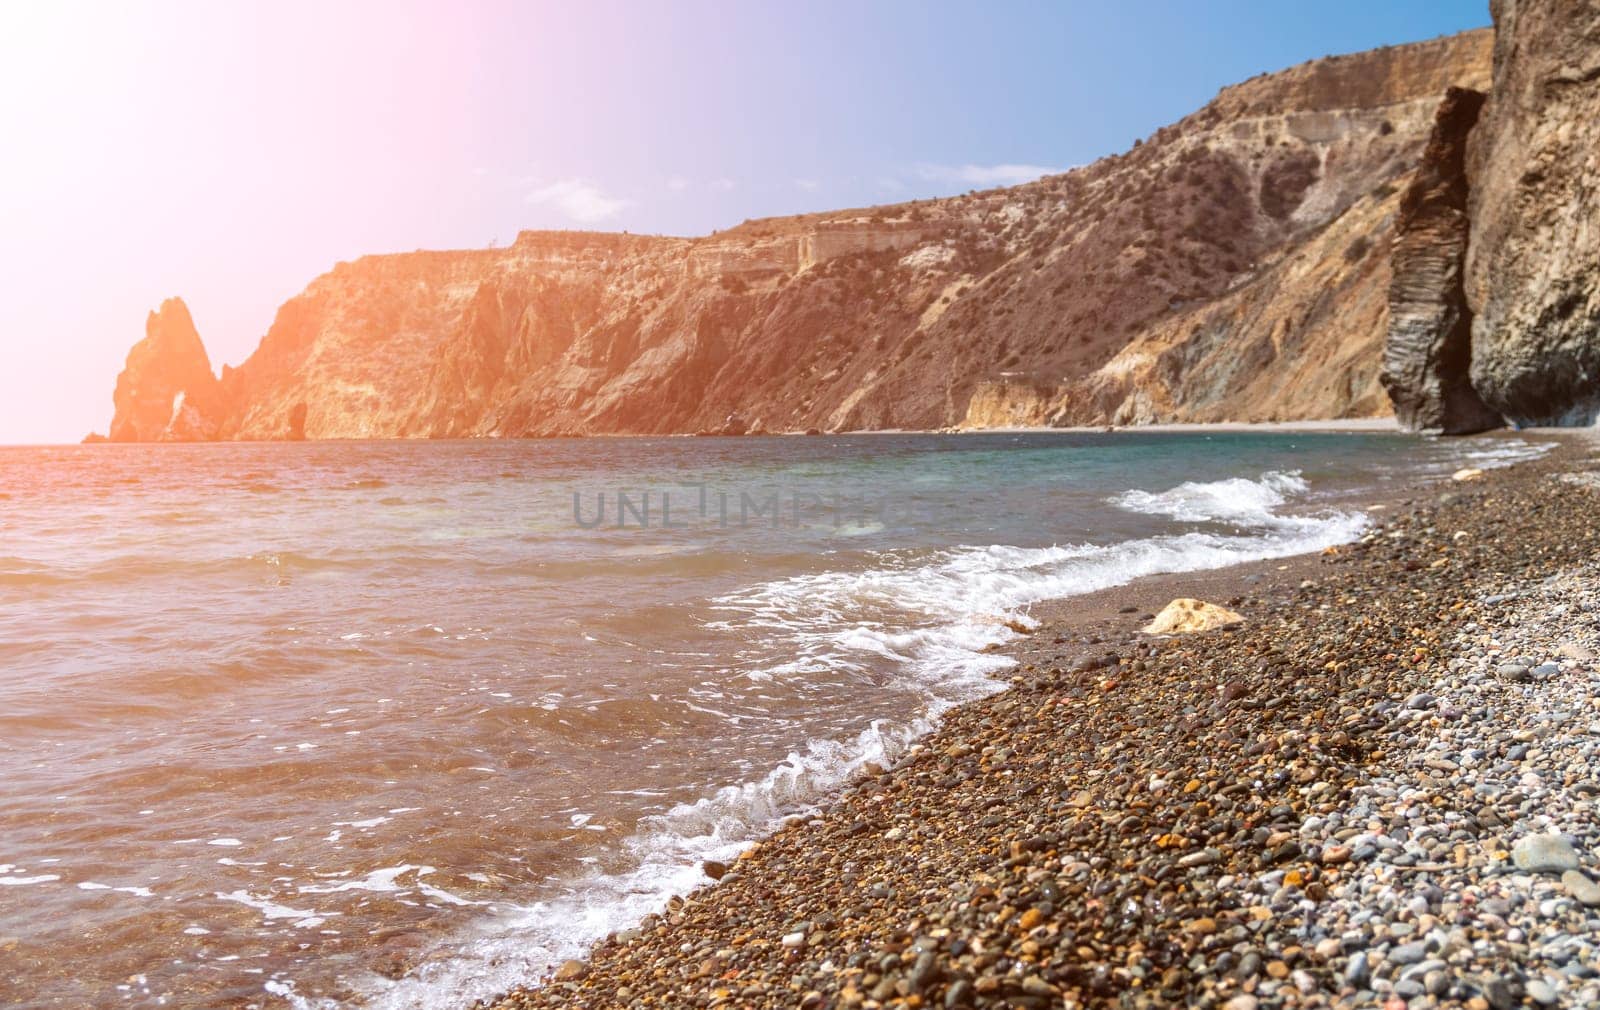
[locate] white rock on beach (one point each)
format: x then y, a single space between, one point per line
1186 615
1544 853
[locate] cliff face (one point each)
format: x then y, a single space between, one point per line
1232 266
166 392
1533 261
1301 339
1428 353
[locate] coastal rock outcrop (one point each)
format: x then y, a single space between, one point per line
1533 260
166 392
1232 266
1427 356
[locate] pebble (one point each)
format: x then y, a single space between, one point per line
1544 853
1408 953
1436 982
1581 887
1498 992
570 970
924 971
1514 672
1355 970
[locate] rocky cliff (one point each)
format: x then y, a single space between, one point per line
1428 354
1234 265
1533 259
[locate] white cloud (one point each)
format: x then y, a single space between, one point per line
677 184
985 175
809 185
721 185
579 199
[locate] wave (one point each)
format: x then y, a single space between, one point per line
928 622
666 858
1501 452
1238 501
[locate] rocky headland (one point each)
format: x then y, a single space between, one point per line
1417 221
1234 265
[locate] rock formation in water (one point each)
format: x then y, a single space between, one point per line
1428 352
166 392
1233 266
1533 260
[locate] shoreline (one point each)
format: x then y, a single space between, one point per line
819 913
1348 424
1351 425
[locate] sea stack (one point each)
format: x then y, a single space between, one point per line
166 392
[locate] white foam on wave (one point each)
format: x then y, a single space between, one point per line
666 858
271 910
1500 452
927 619
138 892
1238 501
43 878
370 822
381 881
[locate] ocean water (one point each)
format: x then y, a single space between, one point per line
399 725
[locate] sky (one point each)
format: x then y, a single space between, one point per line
230 152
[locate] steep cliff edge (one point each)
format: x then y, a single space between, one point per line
166 392
1427 355
1232 266
1533 260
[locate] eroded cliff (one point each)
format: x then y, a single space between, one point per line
1533 259
1428 353
1232 266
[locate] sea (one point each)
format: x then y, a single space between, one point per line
403 724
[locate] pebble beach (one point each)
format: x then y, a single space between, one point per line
1377 789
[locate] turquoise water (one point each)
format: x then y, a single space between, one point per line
400 724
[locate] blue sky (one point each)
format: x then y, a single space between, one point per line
230 152
761 109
